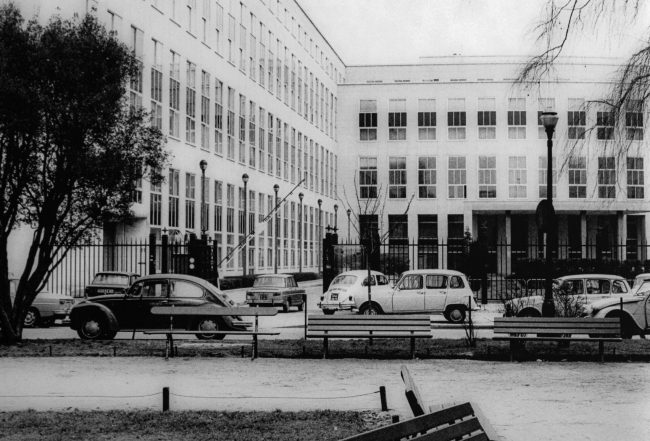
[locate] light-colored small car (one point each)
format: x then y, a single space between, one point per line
634 310
276 290
571 293
349 290
639 280
46 308
417 291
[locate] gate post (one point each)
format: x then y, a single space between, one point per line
152 253
164 255
329 266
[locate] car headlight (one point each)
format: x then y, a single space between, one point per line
249 296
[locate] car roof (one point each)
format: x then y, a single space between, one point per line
171 276
284 276
643 276
591 276
445 272
359 273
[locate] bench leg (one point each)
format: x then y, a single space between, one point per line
325 348
412 348
169 346
254 346
601 351
513 349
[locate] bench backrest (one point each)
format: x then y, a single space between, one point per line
369 322
563 325
447 424
412 393
198 310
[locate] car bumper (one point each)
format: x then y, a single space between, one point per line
342 306
270 302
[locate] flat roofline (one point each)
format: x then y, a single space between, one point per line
320 33
450 60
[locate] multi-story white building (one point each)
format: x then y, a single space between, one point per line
451 143
248 86
454 145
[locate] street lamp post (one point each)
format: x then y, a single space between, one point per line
349 212
244 178
203 164
276 232
549 120
336 209
300 196
320 237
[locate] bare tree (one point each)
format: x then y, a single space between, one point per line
562 23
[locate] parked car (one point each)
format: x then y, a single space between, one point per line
349 290
110 282
417 291
276 290
639 280
634 310
571 295
101 317
46 307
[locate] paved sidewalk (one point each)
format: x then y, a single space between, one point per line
524 401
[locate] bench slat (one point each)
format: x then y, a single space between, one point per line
162 332
555 319
366 335
364 327
578 331
557 326
216 311
610 339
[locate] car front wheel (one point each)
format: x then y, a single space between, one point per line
329 311
371 309
94 328
286 306
209 324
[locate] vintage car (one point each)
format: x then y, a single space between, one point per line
110 282
46 307
102 317
571 295
639 280
417 291
349 290
276 290
632 309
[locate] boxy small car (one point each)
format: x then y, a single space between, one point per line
110 282
634 310
417 291
349 290
276 290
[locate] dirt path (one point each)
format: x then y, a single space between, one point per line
524 401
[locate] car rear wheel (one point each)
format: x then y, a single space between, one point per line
286 306
209 324
301 306
31 318
328 311
371 309
94 328
455 314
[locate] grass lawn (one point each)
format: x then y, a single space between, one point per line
186 425
485 349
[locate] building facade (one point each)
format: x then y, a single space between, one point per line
426 152
453 145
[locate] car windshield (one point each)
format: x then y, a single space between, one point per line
110 279
343 280
643 288
269 281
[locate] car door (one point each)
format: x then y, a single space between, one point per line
597 289
154 293
408 295
185 293
435 293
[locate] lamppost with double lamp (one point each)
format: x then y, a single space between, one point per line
300 196
244 178
203 164
549 120
320 238
276 231
349 212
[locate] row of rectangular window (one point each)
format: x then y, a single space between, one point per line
487 177
487 120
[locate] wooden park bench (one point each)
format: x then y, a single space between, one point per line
462 412
176 311
368 326
518 330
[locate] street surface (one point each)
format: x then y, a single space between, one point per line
523 401
290 325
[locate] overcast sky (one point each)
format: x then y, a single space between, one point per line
401 31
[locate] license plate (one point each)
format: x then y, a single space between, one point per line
334 296
262 296
105 291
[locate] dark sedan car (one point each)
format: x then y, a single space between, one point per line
276 290
103 316
110 282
